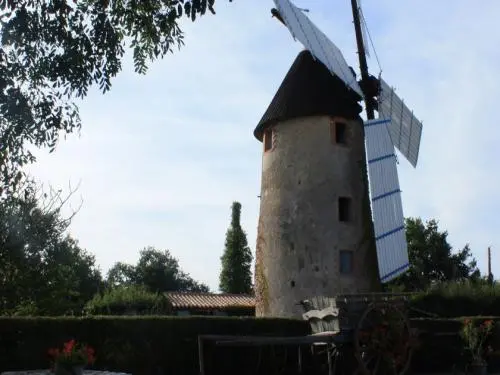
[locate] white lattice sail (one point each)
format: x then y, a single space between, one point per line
316 42
385 196
405 128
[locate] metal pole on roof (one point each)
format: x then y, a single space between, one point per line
490 275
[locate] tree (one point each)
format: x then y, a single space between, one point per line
157 270
121 274
236 276
432 259
42 269
53 51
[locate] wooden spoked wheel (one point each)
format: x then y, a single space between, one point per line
383 341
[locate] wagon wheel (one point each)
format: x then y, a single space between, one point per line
383 340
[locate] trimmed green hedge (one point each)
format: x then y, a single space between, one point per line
160 345
152 345
455 299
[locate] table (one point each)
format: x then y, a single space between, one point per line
327 338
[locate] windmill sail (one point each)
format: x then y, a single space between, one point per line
404 127
385 194
316 42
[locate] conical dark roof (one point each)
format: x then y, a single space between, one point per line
309 89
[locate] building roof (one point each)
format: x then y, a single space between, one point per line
309 89
209 300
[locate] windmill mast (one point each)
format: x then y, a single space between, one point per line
363 66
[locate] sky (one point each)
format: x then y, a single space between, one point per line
161 157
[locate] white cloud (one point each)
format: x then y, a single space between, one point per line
162 156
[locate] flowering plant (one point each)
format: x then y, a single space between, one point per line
475 337
72 354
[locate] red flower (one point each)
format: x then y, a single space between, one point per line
68 346
475 337
73 353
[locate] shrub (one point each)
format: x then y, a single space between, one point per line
441 348
455 299
132 299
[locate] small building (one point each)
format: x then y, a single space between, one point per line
195 303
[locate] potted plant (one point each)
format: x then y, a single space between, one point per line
72 358
475 337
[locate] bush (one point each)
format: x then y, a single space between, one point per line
132 299
139 344
455 299
441 348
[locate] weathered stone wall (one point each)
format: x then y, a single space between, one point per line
299 234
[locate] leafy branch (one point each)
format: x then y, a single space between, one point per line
53 51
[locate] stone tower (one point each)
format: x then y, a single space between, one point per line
315 234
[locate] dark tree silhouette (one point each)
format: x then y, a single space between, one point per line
236 276
157 270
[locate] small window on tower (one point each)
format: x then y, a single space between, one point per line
344 209
268 140
346 261
340 133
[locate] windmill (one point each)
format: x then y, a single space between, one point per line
320 157
395 127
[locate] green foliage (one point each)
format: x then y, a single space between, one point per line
169 345
476 336
127 299
157 270
26 308
121 274
441 348
44 271
236 275
460 298
53 51
144 345
432 259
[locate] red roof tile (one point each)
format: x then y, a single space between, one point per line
209 300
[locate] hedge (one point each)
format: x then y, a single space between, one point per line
152 345
161 345
455 299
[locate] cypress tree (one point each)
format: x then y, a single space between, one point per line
236 276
